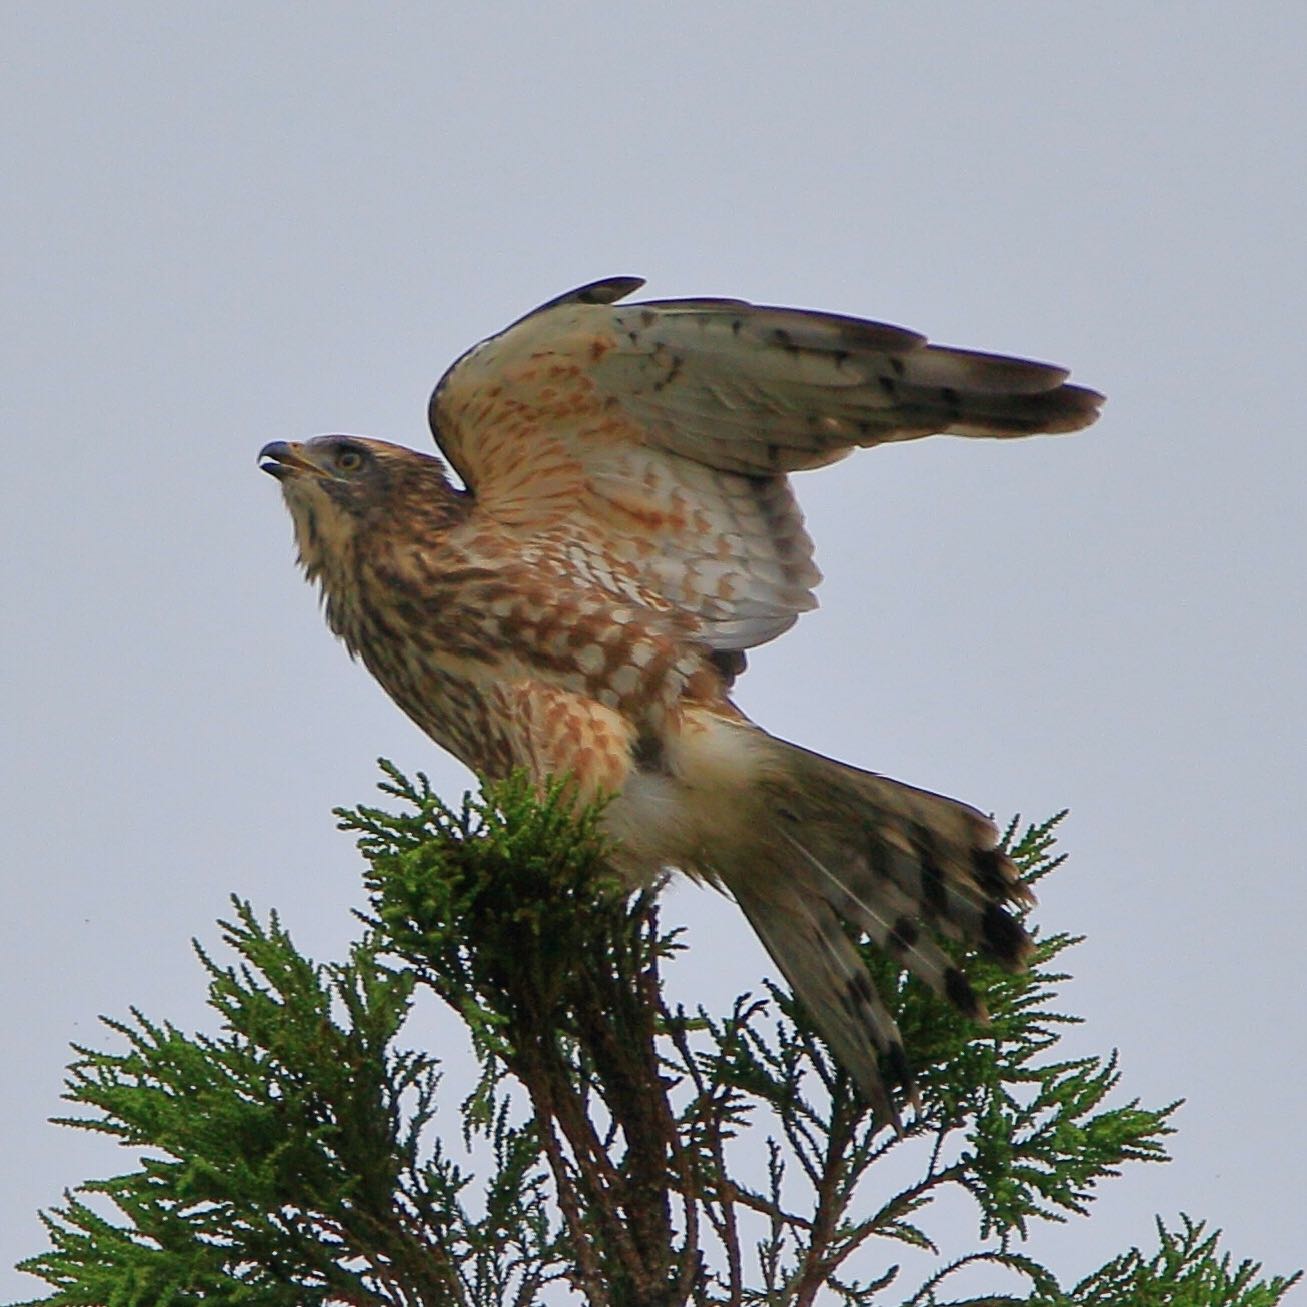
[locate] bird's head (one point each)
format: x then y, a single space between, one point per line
340 489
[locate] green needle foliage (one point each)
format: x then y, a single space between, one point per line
615 1149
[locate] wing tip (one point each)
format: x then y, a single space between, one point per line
1077 407
608 290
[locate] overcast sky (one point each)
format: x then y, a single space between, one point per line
226 224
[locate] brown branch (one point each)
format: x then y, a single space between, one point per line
898 1205
758 1203
817 1266
628 1080
691 1257
629 1205
600 1178
725 1224
889 1213
588 1273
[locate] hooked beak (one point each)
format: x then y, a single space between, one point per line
284 459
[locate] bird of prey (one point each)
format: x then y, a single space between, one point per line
625 531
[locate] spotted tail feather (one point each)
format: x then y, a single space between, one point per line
826 973
894 863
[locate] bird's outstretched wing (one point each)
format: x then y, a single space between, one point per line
661 432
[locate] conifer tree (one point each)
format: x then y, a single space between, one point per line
615 1149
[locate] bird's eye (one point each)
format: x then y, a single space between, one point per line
349 460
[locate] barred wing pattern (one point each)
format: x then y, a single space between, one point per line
663 430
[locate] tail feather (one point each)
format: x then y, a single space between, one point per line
956 885
889 861
805 939
942 855
887 919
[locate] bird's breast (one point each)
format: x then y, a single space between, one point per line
446 631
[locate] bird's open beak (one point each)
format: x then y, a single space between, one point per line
285 458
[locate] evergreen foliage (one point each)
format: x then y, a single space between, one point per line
629 1153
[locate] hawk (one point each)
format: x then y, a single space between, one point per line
582 605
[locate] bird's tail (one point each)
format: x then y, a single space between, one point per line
893 862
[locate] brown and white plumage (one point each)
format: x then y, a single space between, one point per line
627 531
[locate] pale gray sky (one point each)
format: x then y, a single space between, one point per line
226 224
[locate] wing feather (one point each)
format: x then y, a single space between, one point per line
663 431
